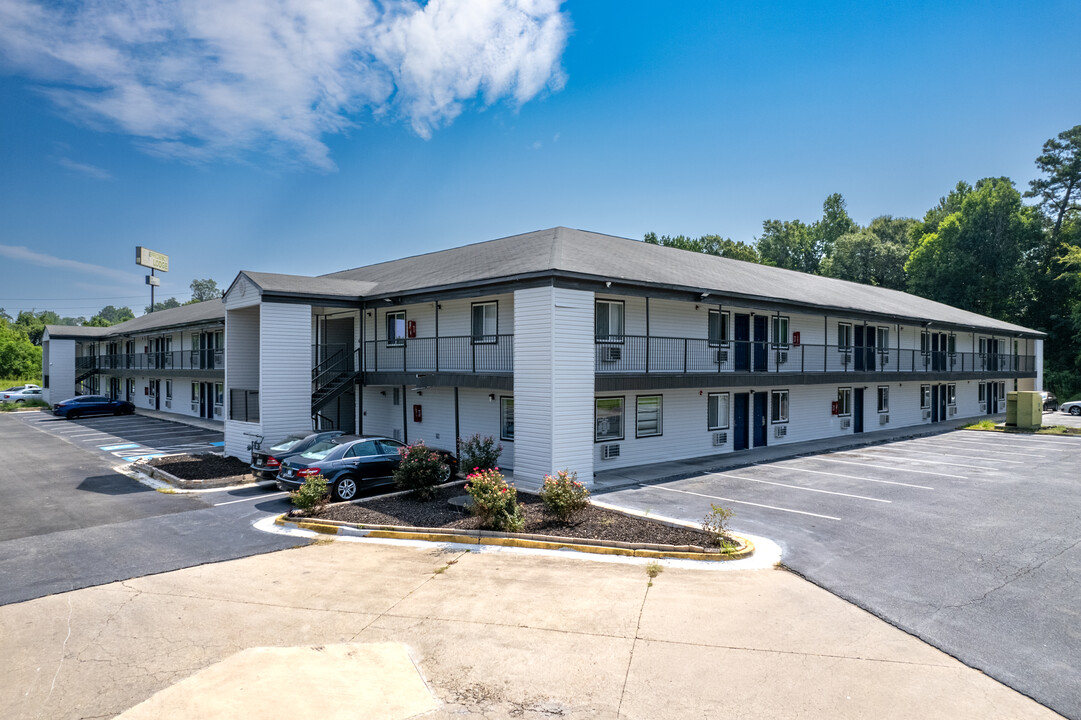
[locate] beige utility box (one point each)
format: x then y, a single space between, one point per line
1024 409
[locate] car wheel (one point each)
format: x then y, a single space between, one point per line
19 401
74 414
345 489
1075 410
444 474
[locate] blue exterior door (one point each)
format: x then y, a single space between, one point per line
739 421
742 330
761 343
761 399
857 410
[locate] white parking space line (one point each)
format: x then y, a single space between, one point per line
893 455
801 487
249 499
891 448
987 449
741 502
1022 442
856 477
888 467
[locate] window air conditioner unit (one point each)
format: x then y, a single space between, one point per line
883 419
926 414
168 403
396 434
780 431
884 360
846 358
611 353
782 357
609 452
983 407
720 438
721 357
846 423
953 410
195 407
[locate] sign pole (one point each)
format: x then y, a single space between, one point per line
151 291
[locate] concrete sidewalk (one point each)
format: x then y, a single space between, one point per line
474 634
215 425
679 469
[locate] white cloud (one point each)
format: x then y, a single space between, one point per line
199 79
82 168
20 253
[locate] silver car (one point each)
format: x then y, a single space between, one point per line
21 395
1073 407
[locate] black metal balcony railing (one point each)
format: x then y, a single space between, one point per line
642 355
457 354
172 360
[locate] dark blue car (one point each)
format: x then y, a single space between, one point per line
92 405
350 463
265 464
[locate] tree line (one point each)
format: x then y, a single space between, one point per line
980 248
20 336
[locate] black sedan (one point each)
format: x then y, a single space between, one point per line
350 463
92 405
266 463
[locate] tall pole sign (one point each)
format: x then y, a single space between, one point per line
154 261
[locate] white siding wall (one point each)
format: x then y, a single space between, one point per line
242 372
61 371
285 367
553 383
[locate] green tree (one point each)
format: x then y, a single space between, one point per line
865 257
33 323
203 290
164 305
708 244
788 244
110 315
976 257
19 357
1060 190
835 222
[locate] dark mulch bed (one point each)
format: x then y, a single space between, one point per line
200 467
595 523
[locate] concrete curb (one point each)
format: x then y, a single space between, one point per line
181 484
522 540
136 472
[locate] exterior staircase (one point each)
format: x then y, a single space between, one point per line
333 377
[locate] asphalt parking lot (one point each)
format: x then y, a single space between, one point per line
968 540
126 438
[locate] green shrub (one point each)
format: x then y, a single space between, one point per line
715 525
494 501
480 452
420 470
563 496
312 495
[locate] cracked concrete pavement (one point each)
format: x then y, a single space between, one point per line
495 635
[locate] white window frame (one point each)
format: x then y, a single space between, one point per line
168 389
506 411
725 420
611 337
846 345
951 394
844 401
638 419
724 327
925 397
393 339
780 339
597 419
484 337
778 406
883 398
982 392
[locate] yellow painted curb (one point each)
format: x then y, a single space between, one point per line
510 541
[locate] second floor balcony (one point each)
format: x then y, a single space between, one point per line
630 354
173 360
484 354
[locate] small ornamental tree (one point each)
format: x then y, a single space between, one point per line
480 452
563 496
715 524
312 495
420 470
494 501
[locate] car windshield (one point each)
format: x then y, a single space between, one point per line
319 450
287 444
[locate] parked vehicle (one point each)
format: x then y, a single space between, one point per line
1050 402
92 405
350 463
27 386
19 396
1073 407
265 464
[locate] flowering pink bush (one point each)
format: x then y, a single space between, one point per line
494 501
563 496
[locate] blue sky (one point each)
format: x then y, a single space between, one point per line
317 143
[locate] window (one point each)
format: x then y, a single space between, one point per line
718 328
844 336
882 339
647 416
951 394
609 321
778 400
1002 390
883 398
983 392
396 396
131 389
844 401
168 389
951 344
506 418
194 393
925 342
925 397
609 419
780 331
485 323
368 448
396 328
718 411
219 393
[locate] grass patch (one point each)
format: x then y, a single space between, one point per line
1058 430
11 407
989 425
12 382
982 425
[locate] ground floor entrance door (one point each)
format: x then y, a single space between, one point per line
941 409
740 411
934 404
857 410
155 393
206 400
761 400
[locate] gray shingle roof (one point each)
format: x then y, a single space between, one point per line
209 311
606 257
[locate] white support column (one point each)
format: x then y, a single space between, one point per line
553 384
1039 366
